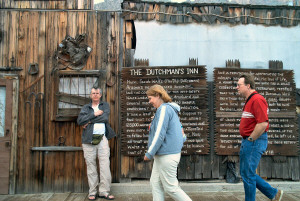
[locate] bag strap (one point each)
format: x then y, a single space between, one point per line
249 99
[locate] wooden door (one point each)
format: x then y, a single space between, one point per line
5 132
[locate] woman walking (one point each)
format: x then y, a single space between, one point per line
164 146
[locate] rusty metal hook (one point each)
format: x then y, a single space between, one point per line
61 141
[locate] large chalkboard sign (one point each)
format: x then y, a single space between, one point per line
278 87
186 85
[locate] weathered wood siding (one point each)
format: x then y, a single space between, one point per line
211 13
33 37
50 4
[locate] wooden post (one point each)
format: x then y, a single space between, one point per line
141 62
233 63
193 62
14 138
275 65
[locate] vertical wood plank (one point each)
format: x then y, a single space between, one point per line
112 90
264 167
119 65
206 166
124 166
156 10
5 38
80 4
69 163
62 26
186 168
174 17
214 158
41 49
128 26
188 18
3 15
50 130
98 50
31 132
80 180
161 17
39 173
21 179
169 11
199 168
151 10
104 41
82 23
72 24
91 31
140 9
223 167
285 171
14 138
277 170
293 164
59 161
13 36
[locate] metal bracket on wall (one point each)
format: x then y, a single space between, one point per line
33 69
12 68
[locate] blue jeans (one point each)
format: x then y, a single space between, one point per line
250 154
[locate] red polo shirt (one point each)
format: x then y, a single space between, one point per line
255 111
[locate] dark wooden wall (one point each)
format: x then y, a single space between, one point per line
32 37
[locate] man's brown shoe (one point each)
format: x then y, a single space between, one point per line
278 196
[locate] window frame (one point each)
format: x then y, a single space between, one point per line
71 114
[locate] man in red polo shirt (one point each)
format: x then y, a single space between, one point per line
253 129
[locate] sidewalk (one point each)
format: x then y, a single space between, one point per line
202 186
202 196
141 191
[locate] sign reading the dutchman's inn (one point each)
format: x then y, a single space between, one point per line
278 87
186 85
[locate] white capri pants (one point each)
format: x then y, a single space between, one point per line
164 178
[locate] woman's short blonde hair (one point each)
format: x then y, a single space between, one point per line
158 90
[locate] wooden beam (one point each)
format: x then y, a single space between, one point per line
68 112
93 73
73 99
56 148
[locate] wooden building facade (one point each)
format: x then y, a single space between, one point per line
45 144
41 148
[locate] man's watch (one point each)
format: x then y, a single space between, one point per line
250 139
